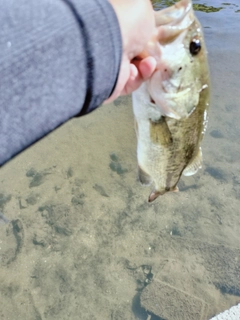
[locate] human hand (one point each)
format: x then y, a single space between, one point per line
137 24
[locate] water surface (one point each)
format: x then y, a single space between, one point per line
82 242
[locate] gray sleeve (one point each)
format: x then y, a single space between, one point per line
58 59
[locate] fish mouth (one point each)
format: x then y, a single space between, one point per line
175 15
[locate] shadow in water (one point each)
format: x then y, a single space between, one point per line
140 312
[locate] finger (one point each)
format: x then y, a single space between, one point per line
132 75
146 67
140 71
134 80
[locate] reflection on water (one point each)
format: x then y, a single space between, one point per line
160 4
82 241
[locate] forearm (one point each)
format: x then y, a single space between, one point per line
57 60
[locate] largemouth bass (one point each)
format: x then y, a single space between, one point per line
171 108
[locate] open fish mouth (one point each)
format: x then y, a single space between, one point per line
175 14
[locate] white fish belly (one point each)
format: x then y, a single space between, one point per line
150 155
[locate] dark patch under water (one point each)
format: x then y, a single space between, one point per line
3 219
100 190
115 165
4 199
228 289
37 177
216 173
216 134
140 312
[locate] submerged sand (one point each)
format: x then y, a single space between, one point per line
83 243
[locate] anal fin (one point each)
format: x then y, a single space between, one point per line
144 177
194 165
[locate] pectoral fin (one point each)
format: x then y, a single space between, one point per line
144 177
160 133
194 165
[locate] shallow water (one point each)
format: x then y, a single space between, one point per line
82 241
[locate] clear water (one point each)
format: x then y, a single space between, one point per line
82 241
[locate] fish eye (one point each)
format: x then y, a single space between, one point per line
195 46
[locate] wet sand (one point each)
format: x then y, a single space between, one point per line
83 243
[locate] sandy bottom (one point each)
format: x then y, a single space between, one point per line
83 243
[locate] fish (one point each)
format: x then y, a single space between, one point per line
171 108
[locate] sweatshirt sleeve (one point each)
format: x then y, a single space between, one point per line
59 59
